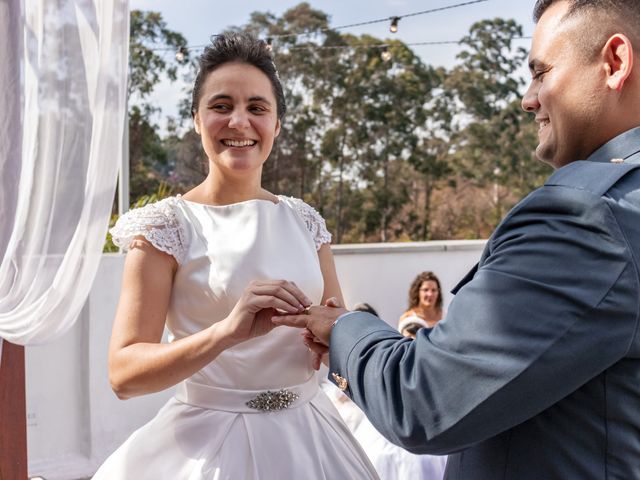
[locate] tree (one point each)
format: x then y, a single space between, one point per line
385 150
295 161
151 42
486 90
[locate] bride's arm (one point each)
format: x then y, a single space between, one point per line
331 290
139 363
328 268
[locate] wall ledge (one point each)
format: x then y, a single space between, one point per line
404 247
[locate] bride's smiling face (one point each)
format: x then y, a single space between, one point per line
237 118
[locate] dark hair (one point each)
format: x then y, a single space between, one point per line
629 10
622 7
237 47
365 307
414 290
623 16
412 328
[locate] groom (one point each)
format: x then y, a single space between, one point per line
535 372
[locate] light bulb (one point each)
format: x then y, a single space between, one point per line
386 54
181 54
393 28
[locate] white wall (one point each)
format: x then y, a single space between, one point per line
380 274
74 420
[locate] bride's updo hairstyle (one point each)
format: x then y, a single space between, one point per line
242 48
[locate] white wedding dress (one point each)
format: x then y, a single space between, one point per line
256 411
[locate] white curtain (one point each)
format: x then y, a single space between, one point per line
63 81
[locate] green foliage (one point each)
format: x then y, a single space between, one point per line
150 43
385 150
152 49
163 191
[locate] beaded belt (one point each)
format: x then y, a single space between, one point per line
246 401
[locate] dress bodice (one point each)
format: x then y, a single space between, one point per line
258 401
220 249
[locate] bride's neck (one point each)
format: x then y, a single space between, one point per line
223 191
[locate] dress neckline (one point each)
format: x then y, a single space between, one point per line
243 202
430 323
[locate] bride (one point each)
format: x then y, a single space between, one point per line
215 265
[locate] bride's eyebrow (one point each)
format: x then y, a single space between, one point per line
258 98
219 96
225 96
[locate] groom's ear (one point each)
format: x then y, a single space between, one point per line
618 61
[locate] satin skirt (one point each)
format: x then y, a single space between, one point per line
203 434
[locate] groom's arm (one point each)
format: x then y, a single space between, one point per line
553 306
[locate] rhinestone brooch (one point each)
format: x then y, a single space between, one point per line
273 401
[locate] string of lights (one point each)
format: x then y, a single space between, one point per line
385 53
393 28
383 45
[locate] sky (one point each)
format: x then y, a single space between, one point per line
197 20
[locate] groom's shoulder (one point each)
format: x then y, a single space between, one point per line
572 193
596 178
577 187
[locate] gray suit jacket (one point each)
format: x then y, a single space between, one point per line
535 372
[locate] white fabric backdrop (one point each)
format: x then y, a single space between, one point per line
66 86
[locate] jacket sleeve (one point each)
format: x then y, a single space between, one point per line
552 305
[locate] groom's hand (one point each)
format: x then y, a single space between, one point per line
319 351
318 320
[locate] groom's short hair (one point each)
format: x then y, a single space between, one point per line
629 9
602 19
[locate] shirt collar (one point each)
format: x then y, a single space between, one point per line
625 146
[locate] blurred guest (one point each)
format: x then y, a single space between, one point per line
390 461
410 326
365 307
425 303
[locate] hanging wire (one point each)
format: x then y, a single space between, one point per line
384 45
381 20
180 54
391 19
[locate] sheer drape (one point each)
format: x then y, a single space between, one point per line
63 94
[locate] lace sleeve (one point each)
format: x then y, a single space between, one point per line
313 220
158 223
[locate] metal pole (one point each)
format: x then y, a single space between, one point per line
123 175
11 31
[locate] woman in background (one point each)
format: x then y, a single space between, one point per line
425 302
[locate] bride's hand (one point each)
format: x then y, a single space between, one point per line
261 300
